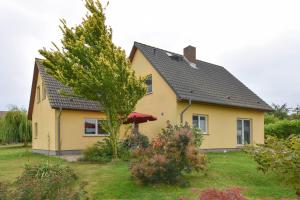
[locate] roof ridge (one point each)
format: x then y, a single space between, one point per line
177 54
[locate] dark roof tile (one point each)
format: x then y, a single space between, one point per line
209 83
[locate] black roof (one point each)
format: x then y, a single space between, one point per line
203 82
58 100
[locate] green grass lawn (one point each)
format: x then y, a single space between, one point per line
113 181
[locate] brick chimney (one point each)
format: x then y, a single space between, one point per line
189 53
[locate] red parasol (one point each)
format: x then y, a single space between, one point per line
138 118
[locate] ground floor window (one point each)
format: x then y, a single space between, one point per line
94 127
243 131
200 121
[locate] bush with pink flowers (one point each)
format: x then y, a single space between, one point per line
174 151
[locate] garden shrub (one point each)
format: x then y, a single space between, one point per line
228 194
270 119
170 154
281 156
136 141
102 152
283 128
44 182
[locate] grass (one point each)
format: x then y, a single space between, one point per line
112 180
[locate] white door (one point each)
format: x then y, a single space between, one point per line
243 131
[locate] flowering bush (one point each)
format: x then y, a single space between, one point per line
170 154
281 156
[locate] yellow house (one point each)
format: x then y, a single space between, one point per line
180 89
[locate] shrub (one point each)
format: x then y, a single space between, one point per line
270 119
136 141
102 152
214 194
228 194
281 156
173 152
283 128
44 181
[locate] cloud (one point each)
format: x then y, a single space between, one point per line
271 70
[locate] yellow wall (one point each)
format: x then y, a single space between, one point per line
44 115
222 124
161 103
72 129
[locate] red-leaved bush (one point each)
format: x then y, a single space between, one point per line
214 194
228 194
170 154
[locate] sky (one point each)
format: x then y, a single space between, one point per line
258 41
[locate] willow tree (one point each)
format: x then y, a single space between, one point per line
14 127
95 68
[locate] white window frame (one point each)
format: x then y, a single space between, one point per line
206 122
150 75
243 128
96 127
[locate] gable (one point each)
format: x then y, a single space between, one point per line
205 82
56 99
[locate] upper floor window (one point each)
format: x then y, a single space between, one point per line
94 127
43 91
149 84
200 121
38 94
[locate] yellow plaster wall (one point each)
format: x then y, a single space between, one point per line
72 129
222 124
44 115
161 103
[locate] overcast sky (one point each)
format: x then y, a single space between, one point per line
258 41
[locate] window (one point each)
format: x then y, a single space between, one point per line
200 121
243 131
94 127
43 91
149 84
38 94
35 130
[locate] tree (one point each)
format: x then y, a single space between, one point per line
280 111
96 69
14 127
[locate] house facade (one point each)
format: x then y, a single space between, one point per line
180 89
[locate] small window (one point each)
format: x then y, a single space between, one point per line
149 84
200 121
243 131
94 127
43 91
38 94
35 130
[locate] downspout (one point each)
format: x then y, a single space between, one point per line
58 132
185 109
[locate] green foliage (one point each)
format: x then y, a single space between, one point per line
280 111
136 141
173 152
15 127
102 152
270 119
283 128
281 156
96 69
44 182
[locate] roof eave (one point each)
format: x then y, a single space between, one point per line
228 105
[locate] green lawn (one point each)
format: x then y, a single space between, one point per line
112 181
